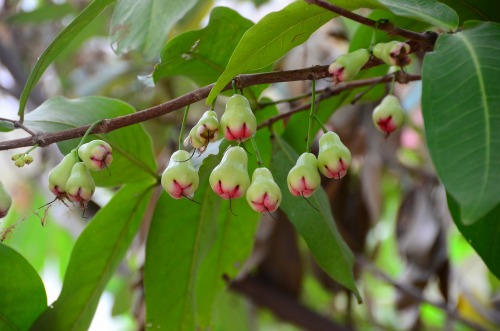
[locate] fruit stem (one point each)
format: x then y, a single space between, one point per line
89 130
233 84
257 154
212 107
184 119
325 130
311 116
29 150
392 84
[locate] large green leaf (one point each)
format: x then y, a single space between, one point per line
58 45
270 39
202 55
430 11
461 108
484 235
22 297
481 10
95 257
133 158
144 25
316 227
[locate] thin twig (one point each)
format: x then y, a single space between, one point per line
19 125
415 293
388 27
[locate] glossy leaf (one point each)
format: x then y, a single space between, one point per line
23 296
95 257
431 11
316 227
270 39
133 158
481 10
484 235
6 126
202 55
144 25
58 45
462 122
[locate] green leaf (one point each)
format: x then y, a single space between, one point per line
202 55
133 158
481 10
317 228
484 235
22 297
58 45
270 39
6 126
144 25
462 121
430 11
95 257
43 13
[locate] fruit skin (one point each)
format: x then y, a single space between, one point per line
80 185
96 155
393 53
180 178
61 173
388 116
230 178
28 159
238 121
347 66
204 132
5 201
303 179
263 195
334 157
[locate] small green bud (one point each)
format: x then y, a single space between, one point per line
388 116
347 66
16 156
19 162
60 174
230 178
28 159
238 121
263 194
5 201
303 179
96 155
80 185
180 178
333 157
393 53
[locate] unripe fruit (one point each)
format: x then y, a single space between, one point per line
80 185
205 131
263 194
230 178
238 121
180 178
333 157
19 162
388 116
5 201
28 159
96 155
60 174
303 179
393 53
16 156
347 66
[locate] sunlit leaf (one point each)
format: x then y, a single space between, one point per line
95 257
22 296
460 104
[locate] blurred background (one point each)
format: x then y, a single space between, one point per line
414 269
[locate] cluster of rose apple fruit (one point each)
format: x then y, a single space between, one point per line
71 180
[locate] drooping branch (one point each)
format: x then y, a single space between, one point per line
388 27
242 81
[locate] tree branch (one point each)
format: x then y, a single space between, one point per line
44 139
388 27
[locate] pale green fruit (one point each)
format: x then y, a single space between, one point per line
388 116
180 178
96 155
5 201
230 178
80 185
303 179
347 66
238 121
263 195
393 53
334 157
60 174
